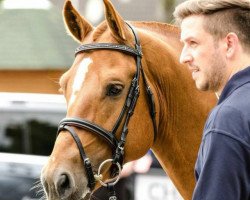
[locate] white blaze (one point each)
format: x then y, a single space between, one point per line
79 78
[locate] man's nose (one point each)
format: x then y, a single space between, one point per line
185 57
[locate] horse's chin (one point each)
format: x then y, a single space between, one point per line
87 196
84 197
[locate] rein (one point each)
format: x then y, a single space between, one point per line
116 145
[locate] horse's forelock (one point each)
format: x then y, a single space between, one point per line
99 30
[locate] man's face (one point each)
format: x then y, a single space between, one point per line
203 54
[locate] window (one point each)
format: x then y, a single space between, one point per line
29 123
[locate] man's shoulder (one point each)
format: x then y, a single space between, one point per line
232 116
235 105
224 115
239 99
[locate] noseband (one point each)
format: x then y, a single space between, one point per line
116 145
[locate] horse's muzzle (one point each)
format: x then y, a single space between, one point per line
62 186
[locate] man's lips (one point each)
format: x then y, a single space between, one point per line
193 68
194 72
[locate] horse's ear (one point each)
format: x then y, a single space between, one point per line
115 22
77 26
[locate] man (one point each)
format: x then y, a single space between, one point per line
216 39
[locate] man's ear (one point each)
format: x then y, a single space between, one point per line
77 26
232 42
115 22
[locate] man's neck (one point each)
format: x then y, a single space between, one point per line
241 63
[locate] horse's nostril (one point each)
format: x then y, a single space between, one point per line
64 181
64 186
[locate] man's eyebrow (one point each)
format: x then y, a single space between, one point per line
187 39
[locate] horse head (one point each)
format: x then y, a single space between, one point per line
107 111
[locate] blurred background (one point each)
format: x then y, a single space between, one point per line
34 52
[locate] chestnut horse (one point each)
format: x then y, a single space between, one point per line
96 88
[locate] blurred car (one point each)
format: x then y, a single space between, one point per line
27 131
20 176
29 122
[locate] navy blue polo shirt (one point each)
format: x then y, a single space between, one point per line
223 165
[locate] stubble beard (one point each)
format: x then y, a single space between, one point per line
213 78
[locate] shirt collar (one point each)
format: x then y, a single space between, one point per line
240 78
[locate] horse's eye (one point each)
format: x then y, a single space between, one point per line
114 90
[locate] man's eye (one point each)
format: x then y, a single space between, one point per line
114 90
193 43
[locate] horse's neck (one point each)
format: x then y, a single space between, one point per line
182 109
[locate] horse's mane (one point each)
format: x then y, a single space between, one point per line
162 30
99 30
166 33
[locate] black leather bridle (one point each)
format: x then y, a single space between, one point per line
125 115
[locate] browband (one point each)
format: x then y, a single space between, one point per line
110 46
